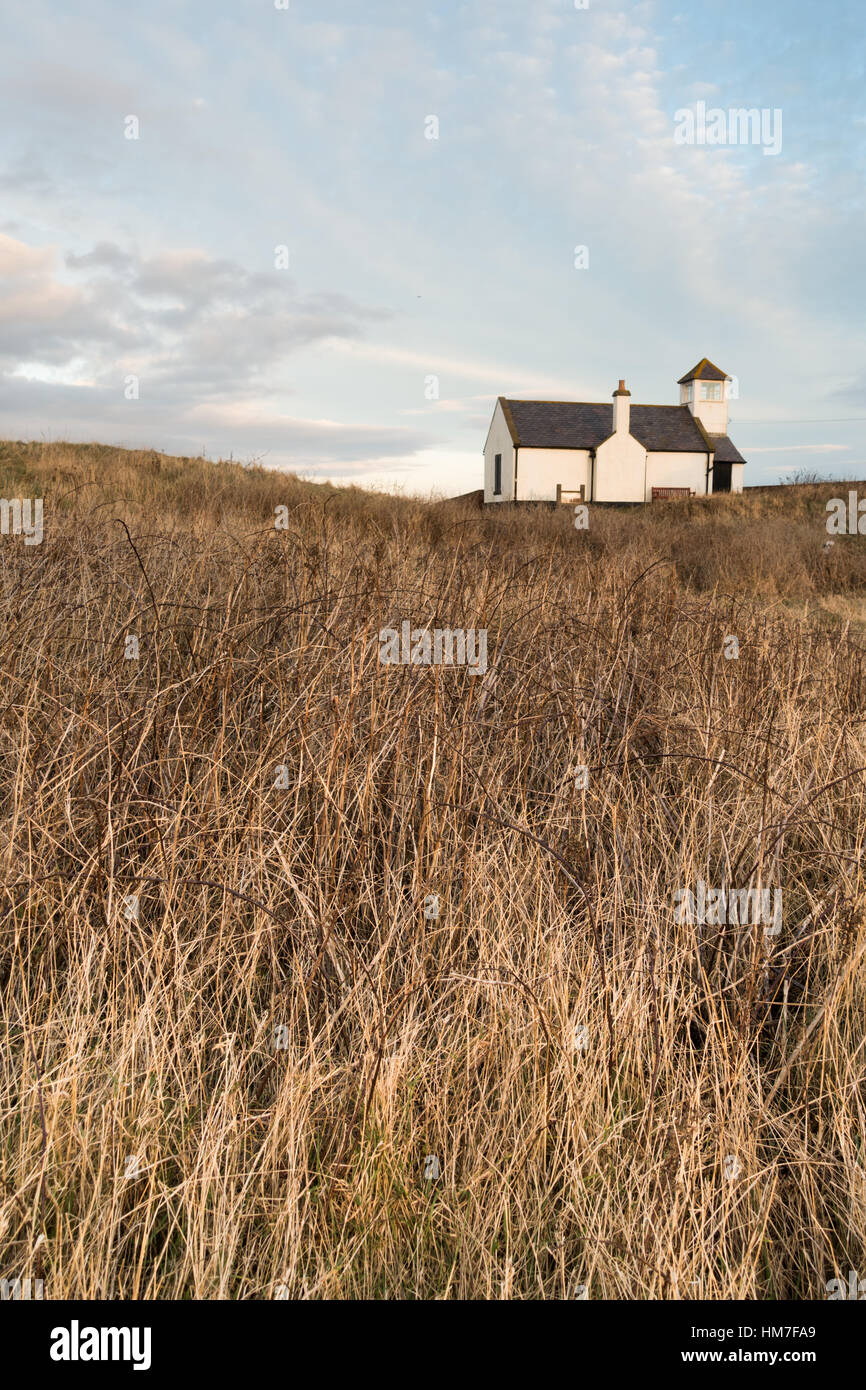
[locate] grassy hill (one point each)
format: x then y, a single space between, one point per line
767 542
281 924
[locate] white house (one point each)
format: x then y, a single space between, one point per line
569 451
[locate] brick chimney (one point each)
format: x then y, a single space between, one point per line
621 409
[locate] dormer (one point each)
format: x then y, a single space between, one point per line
705 390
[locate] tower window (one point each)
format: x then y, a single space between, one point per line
497 476
711 390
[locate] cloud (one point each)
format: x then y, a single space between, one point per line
798 448
181 311
32 406
18 259
195 331
105 255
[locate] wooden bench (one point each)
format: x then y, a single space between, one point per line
660 494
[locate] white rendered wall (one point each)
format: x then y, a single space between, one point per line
620 467
539 471
713 415
499 442
676 470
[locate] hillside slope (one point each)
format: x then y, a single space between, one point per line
351 979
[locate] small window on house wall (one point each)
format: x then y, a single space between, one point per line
497 475
711 391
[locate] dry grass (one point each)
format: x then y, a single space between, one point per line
153 1037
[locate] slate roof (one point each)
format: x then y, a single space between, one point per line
726 450
704 371
585 424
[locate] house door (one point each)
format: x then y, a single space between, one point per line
721 477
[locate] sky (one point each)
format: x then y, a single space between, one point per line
325 235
